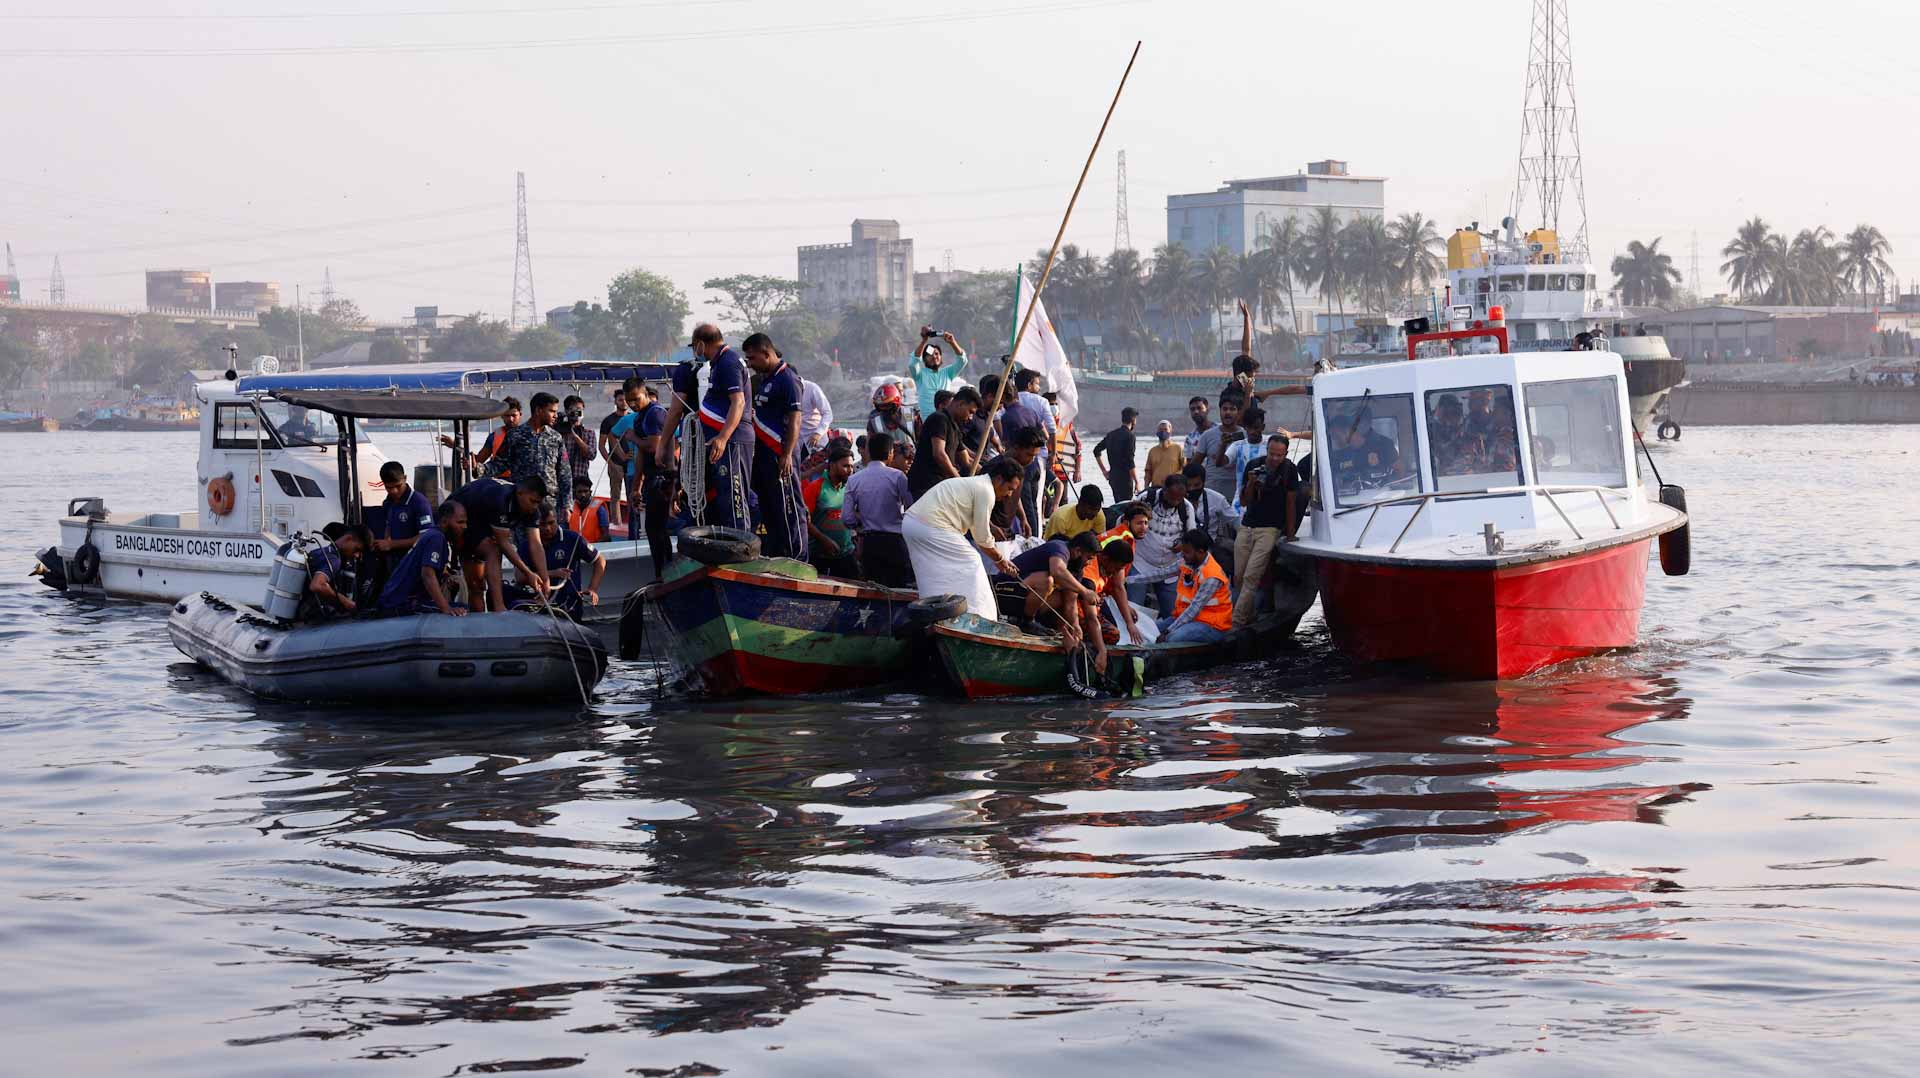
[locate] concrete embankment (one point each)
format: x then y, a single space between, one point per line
1730 404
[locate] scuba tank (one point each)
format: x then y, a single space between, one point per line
287 581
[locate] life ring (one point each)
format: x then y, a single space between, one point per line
220 495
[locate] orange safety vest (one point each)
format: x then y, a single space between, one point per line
585 522
1118 531
1219 609
495 442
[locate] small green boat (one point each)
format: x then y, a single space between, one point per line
992 658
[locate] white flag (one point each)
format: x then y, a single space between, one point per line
1040 350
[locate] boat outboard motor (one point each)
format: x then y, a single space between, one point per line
287 581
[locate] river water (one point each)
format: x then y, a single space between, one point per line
1695 857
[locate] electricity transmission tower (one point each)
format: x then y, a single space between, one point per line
1550 131
326 288
56 283
1122 228
525 311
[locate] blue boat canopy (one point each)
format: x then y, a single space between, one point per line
454 377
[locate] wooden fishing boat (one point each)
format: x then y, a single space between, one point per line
27 423
776 626
993 658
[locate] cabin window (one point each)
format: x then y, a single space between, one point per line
1575 428
1512 283
1472 437
1556 282
300 426
1482 284
1576 282
237 426
1374 448
1525 333
1536 282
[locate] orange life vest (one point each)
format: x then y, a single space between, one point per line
1219 609
496 442
585 521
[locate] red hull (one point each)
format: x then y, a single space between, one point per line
1486 624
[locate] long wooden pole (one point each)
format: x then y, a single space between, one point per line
1046 271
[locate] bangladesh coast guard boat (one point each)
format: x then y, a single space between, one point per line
1483 515
273 465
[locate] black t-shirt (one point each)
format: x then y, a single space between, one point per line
1035 560
1118 448
606 425
924 473
1271 510
489 505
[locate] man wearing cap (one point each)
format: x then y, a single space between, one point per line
722 412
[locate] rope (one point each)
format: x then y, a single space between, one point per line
573 665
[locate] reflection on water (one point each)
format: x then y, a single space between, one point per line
723 869
1693 857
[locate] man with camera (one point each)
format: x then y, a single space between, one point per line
577 440
929 370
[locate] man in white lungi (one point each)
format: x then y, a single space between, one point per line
945 561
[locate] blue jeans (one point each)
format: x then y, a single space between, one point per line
1193 632
1163 593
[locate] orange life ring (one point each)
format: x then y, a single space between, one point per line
220 495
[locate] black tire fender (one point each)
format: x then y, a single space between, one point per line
1676 546
84 567
1669 431
931 609
718 546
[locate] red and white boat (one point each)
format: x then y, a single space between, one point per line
1483 516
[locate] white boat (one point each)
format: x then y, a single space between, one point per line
270 468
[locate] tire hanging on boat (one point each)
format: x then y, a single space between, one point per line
1676 546
84 566
718 546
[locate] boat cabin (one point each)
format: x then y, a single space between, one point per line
278 464
1501 449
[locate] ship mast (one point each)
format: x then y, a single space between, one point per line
1550 134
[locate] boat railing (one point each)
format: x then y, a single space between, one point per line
1372 509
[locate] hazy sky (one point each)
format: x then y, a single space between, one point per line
277 138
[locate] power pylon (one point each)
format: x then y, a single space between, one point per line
1550 129
525 310
1122 228
56 283
326 288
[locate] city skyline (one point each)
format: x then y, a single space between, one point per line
313 164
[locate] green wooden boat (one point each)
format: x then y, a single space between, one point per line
993 658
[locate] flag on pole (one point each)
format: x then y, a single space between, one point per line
1041 350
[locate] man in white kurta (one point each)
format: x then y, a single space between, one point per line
936 528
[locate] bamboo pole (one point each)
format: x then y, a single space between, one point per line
1047 270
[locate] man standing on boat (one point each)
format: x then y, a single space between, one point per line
407 512
828 538
945 562
495 509
616 454
577 443
776 429
939 454
929 370
1271 491
418 584
1114 456
1197 411
728 436
816 414
537 449
877 498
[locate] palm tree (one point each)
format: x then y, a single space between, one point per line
1643 275
1282 243
1416 244
1863 260
1256 279
1371 264
1809 269
1324 259
1123 294
869 332
1171 286
1213 282
1752 258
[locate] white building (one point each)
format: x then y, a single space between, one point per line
1238 213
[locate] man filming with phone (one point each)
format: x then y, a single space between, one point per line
929 369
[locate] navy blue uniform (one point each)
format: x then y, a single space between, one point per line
404 593
568 550
776 489
490 505
407 516
729 501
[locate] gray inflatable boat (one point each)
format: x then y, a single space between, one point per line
469 662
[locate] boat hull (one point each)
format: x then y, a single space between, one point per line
465 663
1487 623
739 630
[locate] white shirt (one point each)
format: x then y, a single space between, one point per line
962 504
816 414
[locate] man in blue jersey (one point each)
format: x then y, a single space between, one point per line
776 430
729 436
574 567
419 583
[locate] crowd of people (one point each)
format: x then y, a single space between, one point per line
950 495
